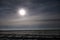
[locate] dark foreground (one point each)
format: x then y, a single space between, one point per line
29 35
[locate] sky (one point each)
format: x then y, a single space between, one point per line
40 14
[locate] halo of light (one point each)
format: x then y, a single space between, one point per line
22 12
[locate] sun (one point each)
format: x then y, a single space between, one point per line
22 12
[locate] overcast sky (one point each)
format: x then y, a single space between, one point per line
40 14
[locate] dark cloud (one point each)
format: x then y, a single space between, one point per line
40 12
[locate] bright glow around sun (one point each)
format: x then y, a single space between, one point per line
22 12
